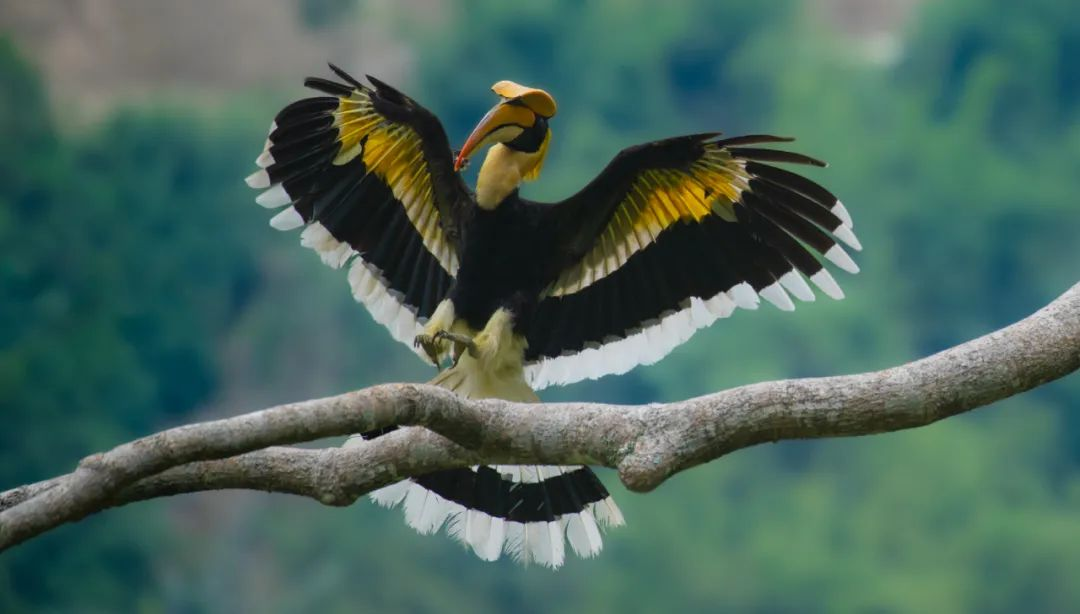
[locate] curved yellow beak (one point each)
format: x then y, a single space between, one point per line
504 122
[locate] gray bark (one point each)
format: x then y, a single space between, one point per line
646 444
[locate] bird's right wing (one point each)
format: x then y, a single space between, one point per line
368 173
671 236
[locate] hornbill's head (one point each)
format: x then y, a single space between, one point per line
519 121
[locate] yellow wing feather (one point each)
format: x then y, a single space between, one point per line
656 200
393 153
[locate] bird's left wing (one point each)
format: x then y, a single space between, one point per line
368 173
671 236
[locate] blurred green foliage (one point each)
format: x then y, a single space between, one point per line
141 289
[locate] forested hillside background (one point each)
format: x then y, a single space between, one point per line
141 288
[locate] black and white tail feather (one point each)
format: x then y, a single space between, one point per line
528 512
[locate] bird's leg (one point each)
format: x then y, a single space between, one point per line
441 321
494 345
491 347
461 344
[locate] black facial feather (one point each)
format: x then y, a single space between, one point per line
532 138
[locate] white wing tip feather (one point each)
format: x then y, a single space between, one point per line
265 159
840 258
774 293
369 289
259 180
844 233
824 280
287 219
840 211
644 347
796 285
274 197
744 296
720 305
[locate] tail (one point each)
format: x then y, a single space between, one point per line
522 510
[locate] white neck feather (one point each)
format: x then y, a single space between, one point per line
501 174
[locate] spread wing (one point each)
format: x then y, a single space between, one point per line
671 236
368 174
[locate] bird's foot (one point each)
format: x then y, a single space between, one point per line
430 345
460 343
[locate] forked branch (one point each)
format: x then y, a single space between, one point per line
647 444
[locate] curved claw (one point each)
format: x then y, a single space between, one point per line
459 342
431 348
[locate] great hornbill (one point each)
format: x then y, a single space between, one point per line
669 237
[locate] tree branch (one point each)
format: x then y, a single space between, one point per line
647 444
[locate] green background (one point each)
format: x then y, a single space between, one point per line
140 288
